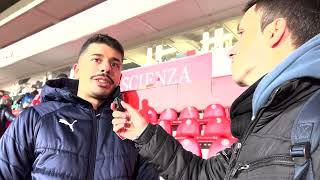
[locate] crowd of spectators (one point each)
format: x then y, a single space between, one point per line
13 103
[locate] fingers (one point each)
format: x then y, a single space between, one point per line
128 107
113 107
129 124
119 114
120 119
121 123
123 128
118 127
126 134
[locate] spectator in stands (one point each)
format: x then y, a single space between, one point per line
37 85
278 54
17 102
69 135
27 100
5 112
34 92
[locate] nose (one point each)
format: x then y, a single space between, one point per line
105 68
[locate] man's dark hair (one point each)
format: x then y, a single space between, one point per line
103 39
302 16
62 75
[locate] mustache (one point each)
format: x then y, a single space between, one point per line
103 75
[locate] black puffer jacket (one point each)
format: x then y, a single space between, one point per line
264 144
65 138
5 116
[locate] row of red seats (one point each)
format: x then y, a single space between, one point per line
214 122
170 114
218 127
216 132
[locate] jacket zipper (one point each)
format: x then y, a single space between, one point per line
238 146
92 160
273 160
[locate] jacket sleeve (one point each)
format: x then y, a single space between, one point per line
173 162
146 171
16 147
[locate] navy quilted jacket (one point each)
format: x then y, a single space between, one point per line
65 138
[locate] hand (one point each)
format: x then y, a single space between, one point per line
129 124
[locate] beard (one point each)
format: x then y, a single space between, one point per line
102 94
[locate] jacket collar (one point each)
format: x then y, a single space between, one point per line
287 94
65 90
241 110
302 62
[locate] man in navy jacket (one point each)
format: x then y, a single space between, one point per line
69 135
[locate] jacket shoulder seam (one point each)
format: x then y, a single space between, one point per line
62 151
48 113
37 109
55 174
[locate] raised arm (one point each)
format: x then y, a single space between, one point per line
164 152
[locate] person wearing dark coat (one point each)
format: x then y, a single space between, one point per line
69 134
5 113
278 56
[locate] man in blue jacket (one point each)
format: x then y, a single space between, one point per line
69 135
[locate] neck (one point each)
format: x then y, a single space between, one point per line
93 101
283 50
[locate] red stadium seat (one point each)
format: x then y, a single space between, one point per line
166 125
191 52
188 128
191 145
189 113
214 110
218 127
150 115
168 115
219 145
132 98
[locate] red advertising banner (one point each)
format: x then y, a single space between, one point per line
184 70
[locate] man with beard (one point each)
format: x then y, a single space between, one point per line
69 135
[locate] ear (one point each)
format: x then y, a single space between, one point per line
276 32
75 68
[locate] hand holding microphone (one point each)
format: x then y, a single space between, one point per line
127 122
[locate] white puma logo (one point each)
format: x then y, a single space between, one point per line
63 121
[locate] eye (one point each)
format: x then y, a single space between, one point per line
115 65
96 59
240 32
